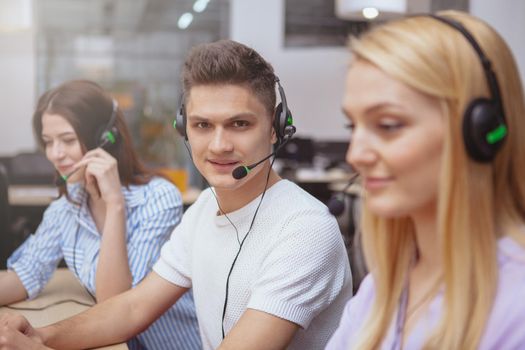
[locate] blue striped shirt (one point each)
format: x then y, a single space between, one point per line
68 231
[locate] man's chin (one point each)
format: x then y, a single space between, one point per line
225 186
224 181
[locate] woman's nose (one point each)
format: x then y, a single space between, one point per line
360 150
56 151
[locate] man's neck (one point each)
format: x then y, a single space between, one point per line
232 200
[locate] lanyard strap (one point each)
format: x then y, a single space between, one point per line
400 319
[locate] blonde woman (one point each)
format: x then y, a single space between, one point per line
436 113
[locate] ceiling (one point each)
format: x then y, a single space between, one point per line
107 17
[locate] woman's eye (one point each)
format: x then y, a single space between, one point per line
70 141
390 126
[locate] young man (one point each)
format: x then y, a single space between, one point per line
265 259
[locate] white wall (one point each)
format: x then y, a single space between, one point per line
508 18
17 91
313 79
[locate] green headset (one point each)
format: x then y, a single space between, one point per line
108 134
282 122
484 126
104 137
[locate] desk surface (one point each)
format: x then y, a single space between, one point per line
355 189
42 195
60 295
313 175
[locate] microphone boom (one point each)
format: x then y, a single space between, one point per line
336 204
243 170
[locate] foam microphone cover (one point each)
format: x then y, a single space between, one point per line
336 206
239 172
59 181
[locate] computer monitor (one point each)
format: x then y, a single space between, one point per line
298 151
333 151
31 169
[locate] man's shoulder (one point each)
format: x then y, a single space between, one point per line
298 216
201 205
288 192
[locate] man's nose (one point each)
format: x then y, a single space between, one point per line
221 141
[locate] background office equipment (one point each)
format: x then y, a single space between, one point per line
143 46
31 168
25 191
5 219
14 226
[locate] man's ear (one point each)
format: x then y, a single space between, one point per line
274 136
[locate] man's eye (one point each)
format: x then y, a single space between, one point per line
240 123
202 125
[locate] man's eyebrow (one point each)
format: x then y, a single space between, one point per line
242 115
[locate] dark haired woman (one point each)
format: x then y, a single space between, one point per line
112 216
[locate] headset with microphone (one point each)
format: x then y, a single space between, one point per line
336 204
284 129
243 170
282 124
484 126
105 137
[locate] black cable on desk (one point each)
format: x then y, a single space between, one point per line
22 308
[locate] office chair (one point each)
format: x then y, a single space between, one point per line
31 169
5 218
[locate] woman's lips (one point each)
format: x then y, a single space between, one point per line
376 183
63 170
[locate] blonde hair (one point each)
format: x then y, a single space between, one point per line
477 202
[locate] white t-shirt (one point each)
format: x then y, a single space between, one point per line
293 264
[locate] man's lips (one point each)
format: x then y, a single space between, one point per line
223 162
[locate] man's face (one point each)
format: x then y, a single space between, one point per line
227 126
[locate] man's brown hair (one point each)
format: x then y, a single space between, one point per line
229 62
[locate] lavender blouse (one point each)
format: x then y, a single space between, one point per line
505 328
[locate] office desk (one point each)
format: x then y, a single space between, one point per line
312 175
62 287
31 195
42 195
316 181
355 189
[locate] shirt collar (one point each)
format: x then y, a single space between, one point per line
134 195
